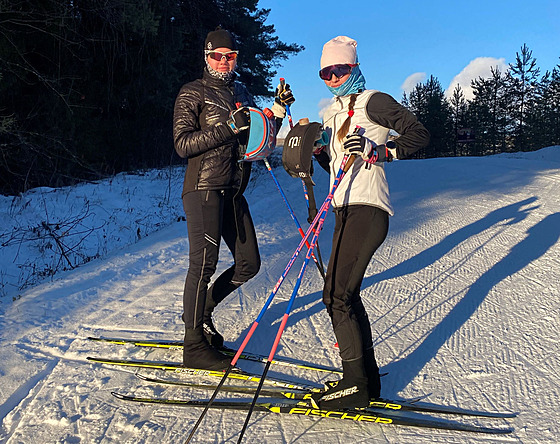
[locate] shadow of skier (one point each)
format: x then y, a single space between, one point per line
541 237
513 214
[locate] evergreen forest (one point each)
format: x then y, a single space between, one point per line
87 88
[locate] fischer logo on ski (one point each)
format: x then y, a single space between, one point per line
353 416
340 394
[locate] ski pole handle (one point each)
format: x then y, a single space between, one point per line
288 112
352 156
349 163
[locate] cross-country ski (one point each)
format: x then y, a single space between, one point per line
368 416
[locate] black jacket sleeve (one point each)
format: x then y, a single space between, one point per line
189 138
386 111
323 160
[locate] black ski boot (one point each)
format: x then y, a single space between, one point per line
212 336
198 353
350 392
372 373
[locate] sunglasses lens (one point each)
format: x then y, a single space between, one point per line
338 71
217 55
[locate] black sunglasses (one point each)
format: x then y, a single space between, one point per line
337 70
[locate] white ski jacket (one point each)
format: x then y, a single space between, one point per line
376 113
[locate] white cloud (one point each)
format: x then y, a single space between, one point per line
411 81
323 105
479 67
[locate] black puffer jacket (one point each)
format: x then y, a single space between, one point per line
201 135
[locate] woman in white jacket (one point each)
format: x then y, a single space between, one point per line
358 123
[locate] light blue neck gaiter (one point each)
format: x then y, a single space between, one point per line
354 84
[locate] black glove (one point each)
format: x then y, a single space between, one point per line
284 95
359 145
282 98
239 120
387 152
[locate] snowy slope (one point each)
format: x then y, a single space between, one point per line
463 299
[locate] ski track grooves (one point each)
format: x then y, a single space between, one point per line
462 297
15 405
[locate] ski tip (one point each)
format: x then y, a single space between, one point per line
498 431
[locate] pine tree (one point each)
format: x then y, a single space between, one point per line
458 106
552 117
487 113
522 80
88 87
544 126
427 101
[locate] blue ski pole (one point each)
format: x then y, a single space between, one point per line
318 260
292 214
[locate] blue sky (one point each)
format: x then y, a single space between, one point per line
403 42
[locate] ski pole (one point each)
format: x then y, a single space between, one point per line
346 163
310 230
292 214
231 366
319 262
255 324
320 267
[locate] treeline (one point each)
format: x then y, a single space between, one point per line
516 110
87 87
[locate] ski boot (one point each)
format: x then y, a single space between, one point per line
212 336
351 392
198 353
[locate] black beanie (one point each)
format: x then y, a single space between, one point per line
220 38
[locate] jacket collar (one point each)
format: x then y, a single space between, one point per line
215 82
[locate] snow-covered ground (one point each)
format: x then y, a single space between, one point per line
463 298
48 230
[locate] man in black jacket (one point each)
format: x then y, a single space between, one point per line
210 117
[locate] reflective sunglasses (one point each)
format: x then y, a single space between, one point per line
337 70
218 56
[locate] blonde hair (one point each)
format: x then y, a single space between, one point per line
345 128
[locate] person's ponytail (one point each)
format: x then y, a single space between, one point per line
345 128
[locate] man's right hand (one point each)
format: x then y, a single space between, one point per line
239 120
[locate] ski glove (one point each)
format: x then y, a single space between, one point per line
283 97
359 145
368 150
387 152
239 120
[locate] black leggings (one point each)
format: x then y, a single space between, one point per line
212 215
359 231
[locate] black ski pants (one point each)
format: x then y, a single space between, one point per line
359 231
211 216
